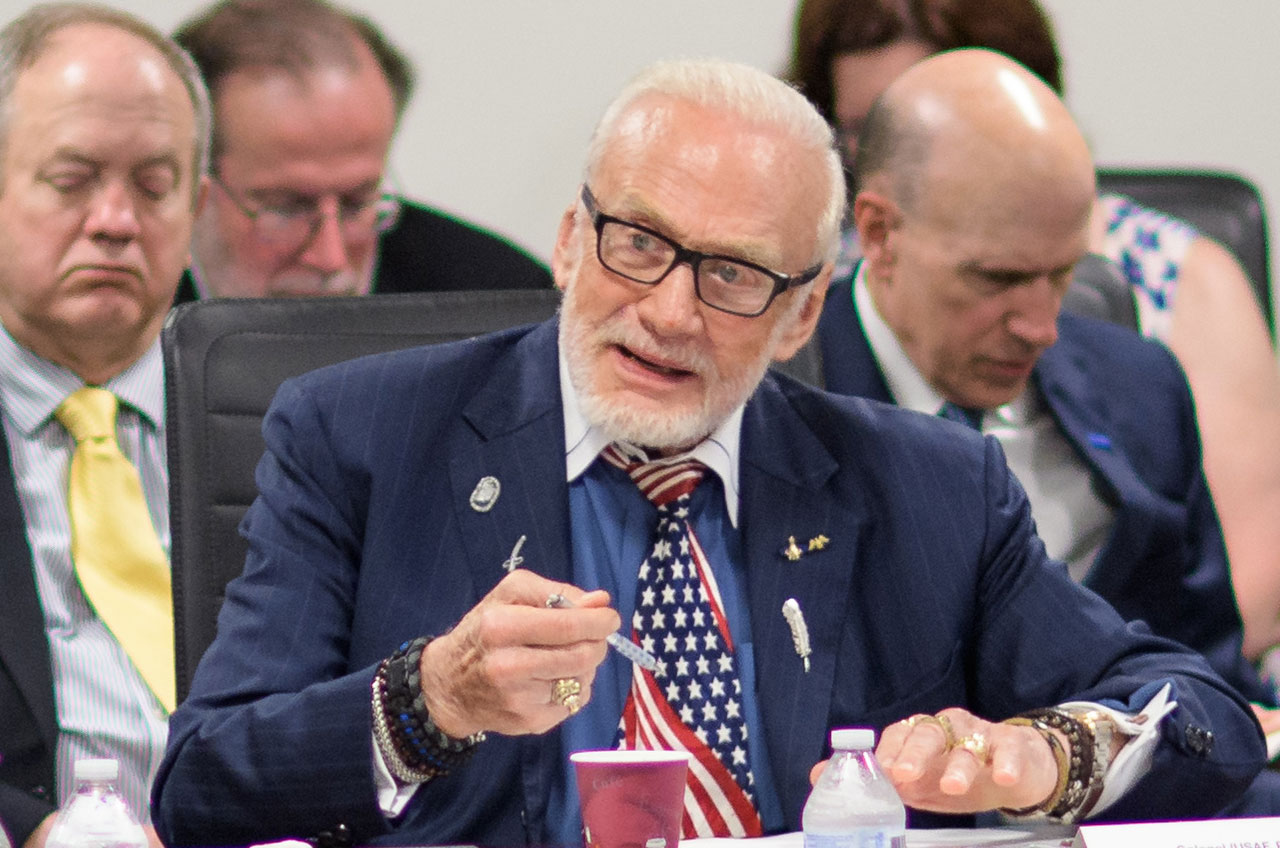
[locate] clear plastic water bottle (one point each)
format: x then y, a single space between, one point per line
854 805
95 816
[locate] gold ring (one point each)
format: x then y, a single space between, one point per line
941 722
976 744
566 692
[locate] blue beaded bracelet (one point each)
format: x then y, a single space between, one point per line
420 745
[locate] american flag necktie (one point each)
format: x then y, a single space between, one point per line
694 700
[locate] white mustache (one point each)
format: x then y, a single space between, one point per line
684 355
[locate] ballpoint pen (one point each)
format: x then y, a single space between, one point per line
616 640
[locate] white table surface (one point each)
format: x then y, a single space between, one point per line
1052 837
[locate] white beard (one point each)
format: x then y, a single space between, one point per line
676 428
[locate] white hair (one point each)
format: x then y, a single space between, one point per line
752 95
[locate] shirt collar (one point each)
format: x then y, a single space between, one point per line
32 387
583 443
907 385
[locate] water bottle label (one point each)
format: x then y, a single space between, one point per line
864 837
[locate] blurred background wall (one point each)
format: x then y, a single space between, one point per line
509 90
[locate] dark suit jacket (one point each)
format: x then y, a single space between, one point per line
1124 405
933 591
28 721
428 250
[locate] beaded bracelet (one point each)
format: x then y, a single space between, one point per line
382 736
1060 756
415 748
1084 779
1103 729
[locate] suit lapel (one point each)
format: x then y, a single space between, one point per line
24 650
848 365
1062 377
511 486
785 472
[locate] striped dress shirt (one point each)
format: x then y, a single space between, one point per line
104 708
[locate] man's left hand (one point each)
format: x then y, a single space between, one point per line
1001 765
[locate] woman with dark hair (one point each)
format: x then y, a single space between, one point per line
1191 293
828 31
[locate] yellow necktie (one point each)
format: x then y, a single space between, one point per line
114 546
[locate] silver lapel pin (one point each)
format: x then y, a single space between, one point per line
513 562
799 630
485 494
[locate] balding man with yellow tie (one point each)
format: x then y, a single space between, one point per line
100 163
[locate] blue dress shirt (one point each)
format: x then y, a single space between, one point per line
611 533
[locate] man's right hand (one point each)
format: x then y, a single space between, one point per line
495 671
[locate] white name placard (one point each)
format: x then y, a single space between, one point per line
1217 833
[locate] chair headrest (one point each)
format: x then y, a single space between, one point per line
1099 290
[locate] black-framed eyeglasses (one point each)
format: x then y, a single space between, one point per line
721 282
292 223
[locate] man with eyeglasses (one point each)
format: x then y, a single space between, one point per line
306 99
446 539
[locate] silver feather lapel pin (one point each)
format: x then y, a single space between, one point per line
799 630
515 560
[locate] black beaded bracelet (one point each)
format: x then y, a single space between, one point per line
419 745
382 738
1061 760
1084 778
1103 729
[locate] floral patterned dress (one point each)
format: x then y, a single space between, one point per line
1149 247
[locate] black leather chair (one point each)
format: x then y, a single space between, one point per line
1223 206
224 360
1099 290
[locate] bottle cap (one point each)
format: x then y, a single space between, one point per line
97 770
853 739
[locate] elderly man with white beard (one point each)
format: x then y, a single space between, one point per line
446 537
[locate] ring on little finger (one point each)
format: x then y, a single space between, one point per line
976 744
941 722
567 692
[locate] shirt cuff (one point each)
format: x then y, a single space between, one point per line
1134 760
392 795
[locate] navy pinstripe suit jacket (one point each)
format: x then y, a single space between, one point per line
934 591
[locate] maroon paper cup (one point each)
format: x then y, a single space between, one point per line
631 799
